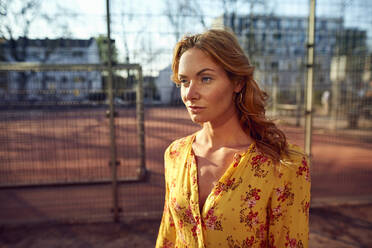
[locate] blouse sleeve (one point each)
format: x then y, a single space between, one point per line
289 205
167 234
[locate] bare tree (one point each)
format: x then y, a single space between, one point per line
252 46
17 17
249 7
181 14
15 21
229 6
195 8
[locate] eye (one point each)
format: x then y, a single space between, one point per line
183 82
206 79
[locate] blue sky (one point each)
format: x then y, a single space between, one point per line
147 31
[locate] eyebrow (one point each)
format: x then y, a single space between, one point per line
198 73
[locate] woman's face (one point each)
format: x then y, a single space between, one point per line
206 89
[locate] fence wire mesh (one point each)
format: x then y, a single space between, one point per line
54 129
60 135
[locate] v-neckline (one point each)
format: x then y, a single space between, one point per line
223 175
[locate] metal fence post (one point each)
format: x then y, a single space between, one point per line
298 102
309 79
140 124
275 93
113 163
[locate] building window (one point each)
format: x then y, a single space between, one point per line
286 24
275 65
77 54
278 36
260 24
278 24
263 37
50 78
64 79
273 24
324 24
34 54
255 22
79 79
240 26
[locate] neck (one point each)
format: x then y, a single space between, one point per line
226 134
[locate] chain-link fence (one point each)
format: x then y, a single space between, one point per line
55 132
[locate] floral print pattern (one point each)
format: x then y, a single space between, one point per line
285 194
256 165
167 244
230 184
292 242
252 205
211 221
304 170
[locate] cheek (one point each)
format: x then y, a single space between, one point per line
221 96
183 94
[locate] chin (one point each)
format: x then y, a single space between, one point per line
198 122
197 119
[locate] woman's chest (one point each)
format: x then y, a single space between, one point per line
233 189
235 203
210 171
208 177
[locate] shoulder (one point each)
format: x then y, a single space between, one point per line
178 146
176 154
295 163
295 154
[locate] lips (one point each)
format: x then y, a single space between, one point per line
195 109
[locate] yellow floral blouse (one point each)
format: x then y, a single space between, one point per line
254 204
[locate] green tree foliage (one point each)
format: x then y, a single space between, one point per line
103 49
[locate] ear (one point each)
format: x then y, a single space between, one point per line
238 85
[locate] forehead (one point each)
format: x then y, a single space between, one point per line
194 60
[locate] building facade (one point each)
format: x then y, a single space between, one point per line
167 90
276 45
55 85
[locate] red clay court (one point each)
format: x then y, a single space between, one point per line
62 147
70 148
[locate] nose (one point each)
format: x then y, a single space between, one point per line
191 92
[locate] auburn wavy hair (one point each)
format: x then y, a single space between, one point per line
223 47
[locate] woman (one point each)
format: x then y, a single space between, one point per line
236 182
